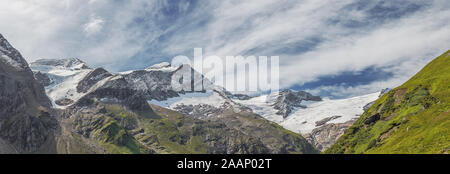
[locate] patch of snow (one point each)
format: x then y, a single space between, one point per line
126 72
211 98
163 67
4 50
67 87
11 62
160 65
302 120
63 81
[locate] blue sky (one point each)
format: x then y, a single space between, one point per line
334 48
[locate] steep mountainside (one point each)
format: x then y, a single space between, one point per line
412 118
25 121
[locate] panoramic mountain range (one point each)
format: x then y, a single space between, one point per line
65 106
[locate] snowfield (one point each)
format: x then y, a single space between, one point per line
211 98
302 120
64 81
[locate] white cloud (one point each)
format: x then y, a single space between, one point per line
94 26
106 33
406 45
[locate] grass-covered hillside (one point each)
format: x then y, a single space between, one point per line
412 118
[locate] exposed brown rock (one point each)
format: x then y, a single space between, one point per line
325 136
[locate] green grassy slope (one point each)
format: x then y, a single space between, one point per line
412 118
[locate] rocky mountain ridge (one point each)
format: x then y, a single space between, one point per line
84 110
153 85
79 94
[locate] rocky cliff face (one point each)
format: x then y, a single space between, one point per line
25 120
326 135
91 79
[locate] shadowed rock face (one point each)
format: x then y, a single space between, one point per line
91 79
42 78
24 120
19 88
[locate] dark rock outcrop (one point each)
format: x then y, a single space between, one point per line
287 100
372 119
325 120
91 79
42 78
64 102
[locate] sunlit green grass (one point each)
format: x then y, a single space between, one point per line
419 123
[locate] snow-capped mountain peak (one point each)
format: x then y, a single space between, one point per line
61 78
68 80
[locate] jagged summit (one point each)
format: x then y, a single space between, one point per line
69 80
